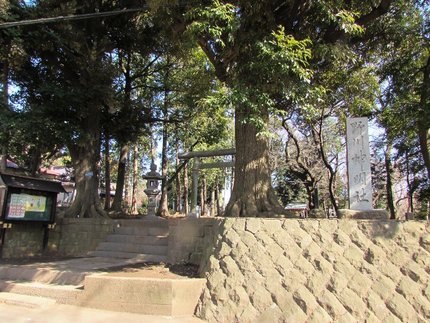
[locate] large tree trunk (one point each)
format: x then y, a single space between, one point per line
389 184
35 161
178 190
120 182
203 196
424 120
252 194
127 188
163 208
85 156
135 179
107 173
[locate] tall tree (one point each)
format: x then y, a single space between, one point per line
403 58
73 57
9 46
260 49
405 75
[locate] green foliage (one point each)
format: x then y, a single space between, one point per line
316 64
289 187
346 21
401 58
217 21
281 61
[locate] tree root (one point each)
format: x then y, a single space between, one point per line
252 206
80 210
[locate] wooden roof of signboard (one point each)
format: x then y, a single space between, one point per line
31 183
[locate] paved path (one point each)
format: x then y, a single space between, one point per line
57 313
19 308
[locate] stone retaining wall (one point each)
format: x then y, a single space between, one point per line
77 237
186 239
70 237
23 240
289 270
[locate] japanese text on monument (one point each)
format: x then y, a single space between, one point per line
359 175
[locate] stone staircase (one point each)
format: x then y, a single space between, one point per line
137 240
88 282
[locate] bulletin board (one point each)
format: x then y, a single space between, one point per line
28 205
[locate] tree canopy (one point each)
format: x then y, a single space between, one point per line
181 70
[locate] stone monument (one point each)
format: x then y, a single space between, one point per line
359 173
358 157
152 189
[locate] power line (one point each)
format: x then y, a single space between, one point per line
69 17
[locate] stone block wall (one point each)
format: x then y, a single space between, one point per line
186 239
70 237
23 240
316 270
77 237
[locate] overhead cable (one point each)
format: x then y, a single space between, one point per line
4 25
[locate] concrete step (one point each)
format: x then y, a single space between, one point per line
56 293
157 222
150 296
90 285
27 301
153 296
132 248
143 230
42 275
139 257
146 240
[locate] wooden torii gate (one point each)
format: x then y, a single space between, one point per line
197 166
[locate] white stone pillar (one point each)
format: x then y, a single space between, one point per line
358 159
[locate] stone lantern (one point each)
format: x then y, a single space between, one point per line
152 182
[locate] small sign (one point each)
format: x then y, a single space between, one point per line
89 174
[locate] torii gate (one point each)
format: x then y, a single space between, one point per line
198 165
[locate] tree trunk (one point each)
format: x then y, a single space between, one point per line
310 196
5 75
409 185
35 161
424 138
107 173
5 104
424 120
127 200
178 183
120 182
163 209
135 179
303 172
85 156
3 160
252 194
389 184
332 172
186 209
213 201
203 194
